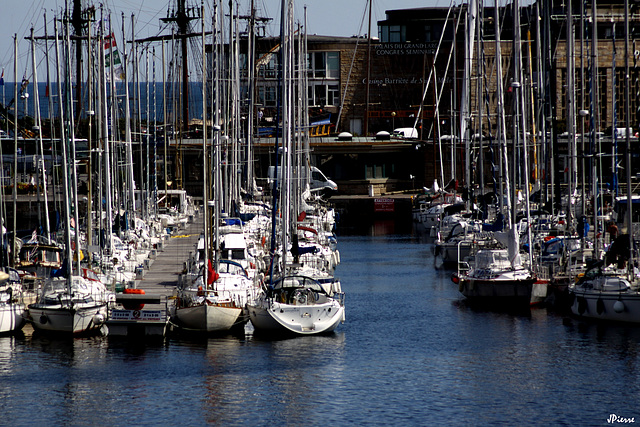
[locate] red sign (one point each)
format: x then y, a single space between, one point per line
384 205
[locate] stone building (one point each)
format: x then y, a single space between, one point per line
413 75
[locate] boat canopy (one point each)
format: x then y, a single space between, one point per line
298 282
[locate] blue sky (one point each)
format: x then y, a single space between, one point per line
325 17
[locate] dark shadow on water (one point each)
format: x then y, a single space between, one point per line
377 227
280 336
498 308
201 339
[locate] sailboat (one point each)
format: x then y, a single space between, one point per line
295 299
216 299
69 303
495 279
606 293
214 303
11 305
499 275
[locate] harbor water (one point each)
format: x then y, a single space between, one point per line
411 352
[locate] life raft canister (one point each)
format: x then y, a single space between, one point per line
133 305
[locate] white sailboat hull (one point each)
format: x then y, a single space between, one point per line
208 317
61 319
299 319
608 306
11 317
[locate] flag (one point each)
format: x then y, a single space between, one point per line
212 276
2 78
112 58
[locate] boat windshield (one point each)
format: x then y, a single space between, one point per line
298 282
231 267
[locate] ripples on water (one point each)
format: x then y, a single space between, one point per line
410 353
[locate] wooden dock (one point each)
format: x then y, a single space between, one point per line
162 276
148 314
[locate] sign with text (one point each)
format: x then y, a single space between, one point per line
384 205
428 48
146 315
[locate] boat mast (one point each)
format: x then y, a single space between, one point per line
164 120
465 114
40 143
514 244
73 190
215 103
205 157
502 129
520 99
90 114
304 76
287 104
250 67
570 116
78 26
627 115
182 20
540 103
106 146
155 133
595 124
15 146
65 174
52 129
366 113
130 206
479 91
279 112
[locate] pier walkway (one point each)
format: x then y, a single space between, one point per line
162 276
148 314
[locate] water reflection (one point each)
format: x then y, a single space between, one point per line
289 379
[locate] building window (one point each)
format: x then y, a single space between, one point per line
383 33
319 65
397 33
392 33
323 65
427 33
321 95
333 95
267 96
333 65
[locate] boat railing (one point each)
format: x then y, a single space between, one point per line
542 272
339 296
315 262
